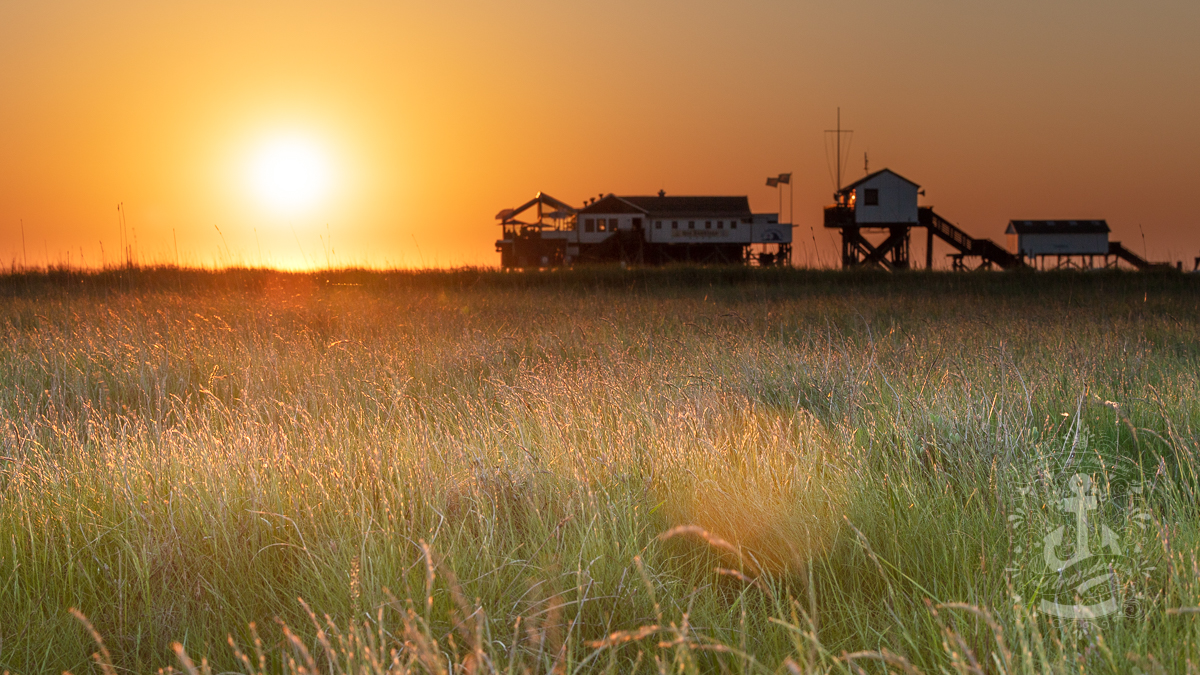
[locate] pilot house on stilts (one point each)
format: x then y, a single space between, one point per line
886 202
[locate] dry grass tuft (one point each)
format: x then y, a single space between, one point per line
768 504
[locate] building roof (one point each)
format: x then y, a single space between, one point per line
673 207
1057 227
612 204
869 176
698 207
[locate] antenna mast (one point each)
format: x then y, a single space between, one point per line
839 131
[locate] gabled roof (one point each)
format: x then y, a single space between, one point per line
869 176
673 207
612 204
1057 227
563 209
698 207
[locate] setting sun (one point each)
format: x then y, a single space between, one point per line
402 128
290 174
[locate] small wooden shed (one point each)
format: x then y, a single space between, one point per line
1032 238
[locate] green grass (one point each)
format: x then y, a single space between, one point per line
727 470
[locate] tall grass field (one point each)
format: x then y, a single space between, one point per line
599 470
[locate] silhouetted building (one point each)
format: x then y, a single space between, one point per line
644 229
1033 238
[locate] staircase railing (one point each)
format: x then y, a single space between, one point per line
945 229
1115 248
988 250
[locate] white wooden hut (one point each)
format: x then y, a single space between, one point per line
882 198
1033 238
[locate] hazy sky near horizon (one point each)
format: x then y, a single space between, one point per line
427 118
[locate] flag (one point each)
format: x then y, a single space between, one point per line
773 182
785 178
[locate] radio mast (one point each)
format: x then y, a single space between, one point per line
838 146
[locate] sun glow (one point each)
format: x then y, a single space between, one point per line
290 174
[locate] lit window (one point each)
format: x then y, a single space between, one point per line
600 225
589 225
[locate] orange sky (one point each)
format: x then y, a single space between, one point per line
435 115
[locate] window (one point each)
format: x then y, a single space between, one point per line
720 224
601 225
658 224
589 225
674 224
733 224
708 224
691 224
871 198
612 224
637 223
